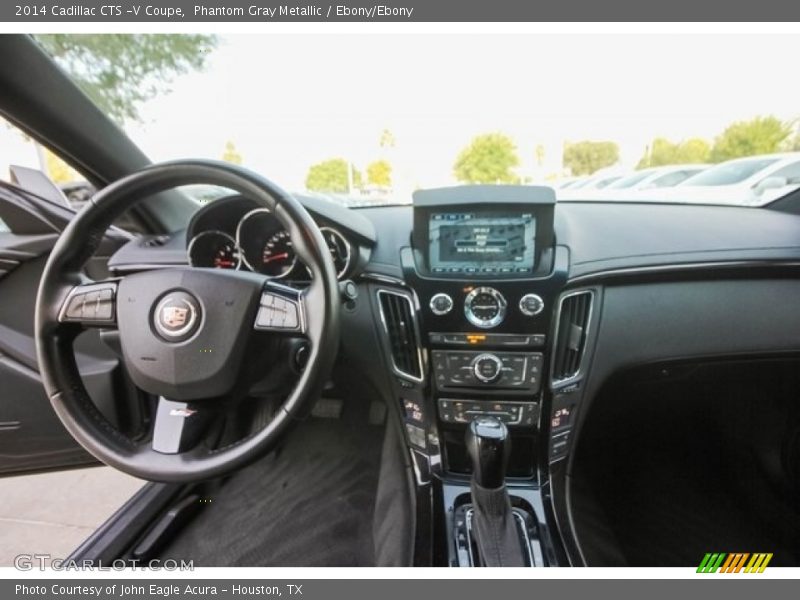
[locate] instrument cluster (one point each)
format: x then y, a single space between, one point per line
258 242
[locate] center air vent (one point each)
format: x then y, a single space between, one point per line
397 314
573 321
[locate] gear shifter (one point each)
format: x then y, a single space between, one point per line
496 534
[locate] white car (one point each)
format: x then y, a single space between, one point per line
755 181
656 177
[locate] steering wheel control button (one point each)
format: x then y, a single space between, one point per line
485 307
177 316
441 304
278 313
487 368
531 305
91 304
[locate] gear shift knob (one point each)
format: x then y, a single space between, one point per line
488 446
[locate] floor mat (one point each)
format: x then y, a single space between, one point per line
310 503
667 472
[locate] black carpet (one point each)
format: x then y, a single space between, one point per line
666 472
311 503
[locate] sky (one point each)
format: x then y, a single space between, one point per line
290 100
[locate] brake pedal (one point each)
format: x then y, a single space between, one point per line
328 408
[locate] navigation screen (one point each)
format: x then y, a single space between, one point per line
482 242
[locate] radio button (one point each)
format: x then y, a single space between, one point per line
531 305
441 304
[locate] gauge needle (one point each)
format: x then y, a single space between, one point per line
276 257
225 263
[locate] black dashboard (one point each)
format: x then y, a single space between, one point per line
497 300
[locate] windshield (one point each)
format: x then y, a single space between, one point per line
367 122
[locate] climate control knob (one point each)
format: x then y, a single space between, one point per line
531 305
441 304
487 368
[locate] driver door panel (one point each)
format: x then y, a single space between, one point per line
31 436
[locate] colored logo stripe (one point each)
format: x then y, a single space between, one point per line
758 563
734 562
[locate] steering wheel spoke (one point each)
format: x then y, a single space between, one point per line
91 305
178 426
282 309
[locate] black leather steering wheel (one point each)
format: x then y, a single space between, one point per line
184 332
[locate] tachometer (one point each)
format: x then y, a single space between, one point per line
278 258
214 249
339 248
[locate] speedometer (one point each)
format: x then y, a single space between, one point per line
214 249
266 245
278 257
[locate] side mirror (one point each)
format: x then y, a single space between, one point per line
770 183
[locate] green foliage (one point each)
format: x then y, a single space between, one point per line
380 173
331 176
490 158
761 135
665 152
586 157
231 154
57 169
119 72
540 154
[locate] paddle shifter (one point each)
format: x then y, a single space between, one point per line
495 530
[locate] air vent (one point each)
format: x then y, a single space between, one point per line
573 321
397 314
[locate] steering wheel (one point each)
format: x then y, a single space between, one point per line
184 332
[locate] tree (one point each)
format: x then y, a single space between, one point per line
586 157
58 170
761 135
489 158
539 152
231 154
387 139
119 72
664 152
380 173
331 176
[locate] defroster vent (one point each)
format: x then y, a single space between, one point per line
397 313
573 322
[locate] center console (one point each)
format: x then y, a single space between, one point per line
486 271
481 278
468 331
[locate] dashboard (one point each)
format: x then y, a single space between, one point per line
233 233
496 300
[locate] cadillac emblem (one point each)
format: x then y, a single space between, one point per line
176 316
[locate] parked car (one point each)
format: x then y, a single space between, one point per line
755 180
656 177
596 182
